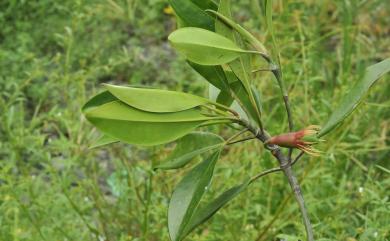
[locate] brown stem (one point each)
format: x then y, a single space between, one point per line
285 164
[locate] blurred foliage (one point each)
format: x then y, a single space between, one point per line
54 55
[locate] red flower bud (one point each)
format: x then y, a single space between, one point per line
303 140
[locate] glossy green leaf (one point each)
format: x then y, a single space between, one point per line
224 17
224 8
190 146
225 98
202 214
99 99
257 97
205 47
213 74
192 14
246 104
213 92
241 66
155 100
187 195
135 126
205 4
104 140
220 96
353 98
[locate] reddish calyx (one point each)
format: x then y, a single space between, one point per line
303 140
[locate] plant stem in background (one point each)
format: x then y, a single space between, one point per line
148 194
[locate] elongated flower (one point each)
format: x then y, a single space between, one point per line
303 140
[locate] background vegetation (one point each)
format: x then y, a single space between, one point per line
55 54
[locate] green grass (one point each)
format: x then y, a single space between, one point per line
53 57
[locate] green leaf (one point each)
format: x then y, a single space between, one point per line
225 98
224 8
192 14
98 100
213 92
224 16
155 100
205 4
187 196
257 97
213 74
353 98
190 146
104 140
135 126
220 96
245 102
205 47
241 66
202 214
268 17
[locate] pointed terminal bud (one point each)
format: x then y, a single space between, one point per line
303 140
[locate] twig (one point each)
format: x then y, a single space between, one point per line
276 169
297 158
236 135
285 165
242 140
262 174
261 70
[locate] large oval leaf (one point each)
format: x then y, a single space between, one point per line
204 213
134 126
352 99
213 74
190 146
192 14
205 47
155 100
187 195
